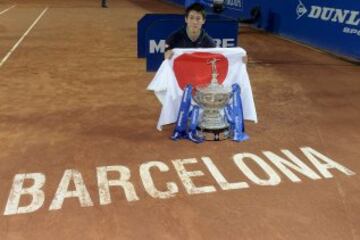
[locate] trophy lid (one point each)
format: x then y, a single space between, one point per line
214 87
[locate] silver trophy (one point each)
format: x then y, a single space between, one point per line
212 99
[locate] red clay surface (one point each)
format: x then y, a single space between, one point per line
73 96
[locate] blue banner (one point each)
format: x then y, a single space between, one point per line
153 29
144 24
333 26
181 128
330 25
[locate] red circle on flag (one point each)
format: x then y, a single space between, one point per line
196 69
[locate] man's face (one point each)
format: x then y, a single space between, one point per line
194 21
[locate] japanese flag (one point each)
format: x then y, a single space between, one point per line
191 66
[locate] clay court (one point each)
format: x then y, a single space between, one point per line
74 102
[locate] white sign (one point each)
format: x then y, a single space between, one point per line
159 46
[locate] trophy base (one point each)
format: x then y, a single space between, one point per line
213 134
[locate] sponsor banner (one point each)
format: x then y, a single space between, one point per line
232 8
179 2
155 28
143 25
231 5
330 25
235 5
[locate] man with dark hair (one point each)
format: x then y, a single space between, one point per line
192 35
103 4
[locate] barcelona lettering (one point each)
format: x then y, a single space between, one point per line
271 169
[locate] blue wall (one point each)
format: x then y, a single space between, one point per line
330 25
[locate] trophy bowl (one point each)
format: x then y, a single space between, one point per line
212 99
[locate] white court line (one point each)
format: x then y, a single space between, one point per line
22 37
7 9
